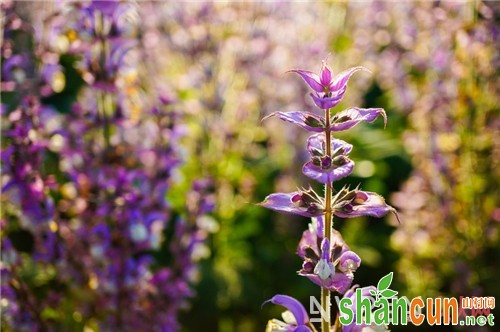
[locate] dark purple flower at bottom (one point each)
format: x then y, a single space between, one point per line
299 320
329 264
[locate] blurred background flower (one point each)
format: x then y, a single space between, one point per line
133 153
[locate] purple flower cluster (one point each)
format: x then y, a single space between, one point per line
328 261
85 193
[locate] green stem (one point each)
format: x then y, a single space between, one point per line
328 186
325 293
105 110
337 326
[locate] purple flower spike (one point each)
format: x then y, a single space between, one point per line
303 203
354 115
329 89
363 203
321 167
298 311
308 121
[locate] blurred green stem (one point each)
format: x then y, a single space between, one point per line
105 111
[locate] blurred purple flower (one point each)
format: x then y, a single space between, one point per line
53 76
107 7
300 320
106 18
104 65
323 168
14 68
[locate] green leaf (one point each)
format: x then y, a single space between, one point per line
385 282
372 292
388 293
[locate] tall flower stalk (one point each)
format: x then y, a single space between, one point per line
328 261
325 292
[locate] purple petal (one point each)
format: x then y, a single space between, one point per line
283 202
311 237
325 268
308 121
338 143
120 47
107 7
352 116
325 249
295 307
318 142
308 240
327 175
318 224
15 61
339 283
311 79
349 262
336 240
373 206
340 80
328 102
326 74
365 291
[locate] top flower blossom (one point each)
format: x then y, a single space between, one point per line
329 89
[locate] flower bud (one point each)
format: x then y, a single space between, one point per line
340 160
326 162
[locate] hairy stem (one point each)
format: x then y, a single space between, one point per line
325 293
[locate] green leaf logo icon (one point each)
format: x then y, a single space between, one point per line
383 290
388 293
385 282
